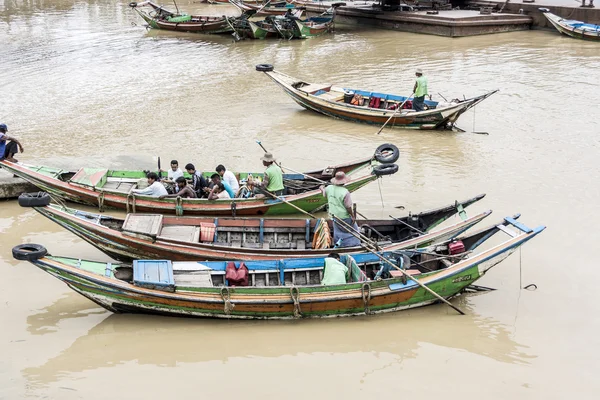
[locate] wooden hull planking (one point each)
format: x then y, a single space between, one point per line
277 302
126 247
583 31
309 201
428 119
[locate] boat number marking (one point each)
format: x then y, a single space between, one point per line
461 279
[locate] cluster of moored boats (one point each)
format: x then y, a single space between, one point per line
223 258
281 20
198 257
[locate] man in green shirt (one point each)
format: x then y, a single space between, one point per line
273 179
420 91
334 272
340 205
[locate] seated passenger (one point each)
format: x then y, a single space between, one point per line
183 190
155 188
9 146
229 178
218 192
216 179
334 272
174 173
198 181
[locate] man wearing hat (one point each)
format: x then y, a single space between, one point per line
340 206
420 91
273 179
9 146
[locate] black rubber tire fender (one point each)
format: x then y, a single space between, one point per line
387 153
36 199
29 252
385 169
265 67
133 4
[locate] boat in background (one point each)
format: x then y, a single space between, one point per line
370 107
573 28
197 238
294 28
264 9
280 289
159 18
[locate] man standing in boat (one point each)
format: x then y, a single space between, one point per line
273 179
9 146
420 91
340 206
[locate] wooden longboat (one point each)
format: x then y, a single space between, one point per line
330 100
262 29
261 9
182 239
281 289
245 28
294 28
159 18
573 28
113 189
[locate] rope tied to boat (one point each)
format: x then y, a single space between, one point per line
233 208
366 296
101 201
179 206
228 305
295 293
132 197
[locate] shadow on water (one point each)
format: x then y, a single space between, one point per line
122 338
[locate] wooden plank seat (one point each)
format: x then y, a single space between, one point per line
119 186
154 274
315 87
143 224
184 233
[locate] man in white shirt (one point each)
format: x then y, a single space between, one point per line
172 175
229 178
175 172
156 188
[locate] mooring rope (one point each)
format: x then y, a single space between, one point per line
228 305
366 296
295 293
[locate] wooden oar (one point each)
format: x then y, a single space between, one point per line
290 204
410 226
394 113
369 243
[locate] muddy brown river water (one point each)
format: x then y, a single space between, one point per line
83 83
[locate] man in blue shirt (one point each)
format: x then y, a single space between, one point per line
9 146
216 179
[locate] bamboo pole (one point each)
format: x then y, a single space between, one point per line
351 231
394 113
369 243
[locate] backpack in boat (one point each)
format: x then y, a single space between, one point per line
236 276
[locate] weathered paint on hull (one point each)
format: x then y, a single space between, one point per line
219 25
429 119
124 247
277 302
309 201
303 31
571 31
